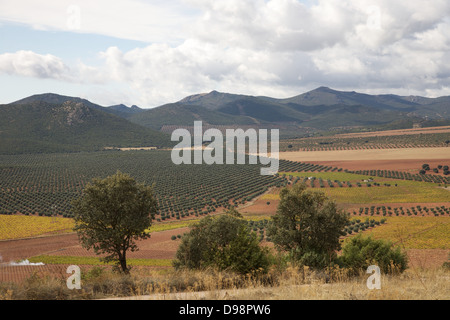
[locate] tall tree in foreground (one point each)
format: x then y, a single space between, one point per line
307 225
112 214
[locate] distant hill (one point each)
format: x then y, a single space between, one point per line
33 126
185 115
320 109
55 123
212 101
52 98
328 97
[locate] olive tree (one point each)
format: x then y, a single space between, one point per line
111 214
308 226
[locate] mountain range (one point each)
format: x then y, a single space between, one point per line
56 123
321 109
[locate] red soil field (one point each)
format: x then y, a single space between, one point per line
427 258
158 246
14 250
260 207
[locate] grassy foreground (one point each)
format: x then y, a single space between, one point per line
288 284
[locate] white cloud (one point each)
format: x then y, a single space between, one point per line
276 47
30 64
148 21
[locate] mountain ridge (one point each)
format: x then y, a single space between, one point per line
71 126
64 123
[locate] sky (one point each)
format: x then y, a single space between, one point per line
149 53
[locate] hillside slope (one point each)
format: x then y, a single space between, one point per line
30 127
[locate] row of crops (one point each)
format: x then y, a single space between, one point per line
354 226
45 184
403 175
294 166
372 142
315 182
401 211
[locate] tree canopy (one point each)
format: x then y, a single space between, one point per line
111 214
223 242
308 225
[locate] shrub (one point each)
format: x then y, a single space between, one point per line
361 252
225 243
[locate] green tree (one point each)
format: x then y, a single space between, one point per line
308 226
361 252
224 242
111 214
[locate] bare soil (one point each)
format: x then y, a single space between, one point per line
421 154
427 258
158 246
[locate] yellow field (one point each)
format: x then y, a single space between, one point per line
382 195
414 232
16 227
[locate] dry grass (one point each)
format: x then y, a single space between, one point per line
426 285
290 284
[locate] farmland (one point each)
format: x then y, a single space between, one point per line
395 139
370 154
13 227
45 184
354 188
36 190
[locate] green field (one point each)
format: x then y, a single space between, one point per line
388 190
78 260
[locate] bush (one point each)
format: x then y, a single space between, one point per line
225 243
316 260
361 252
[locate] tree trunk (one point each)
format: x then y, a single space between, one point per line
123 262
